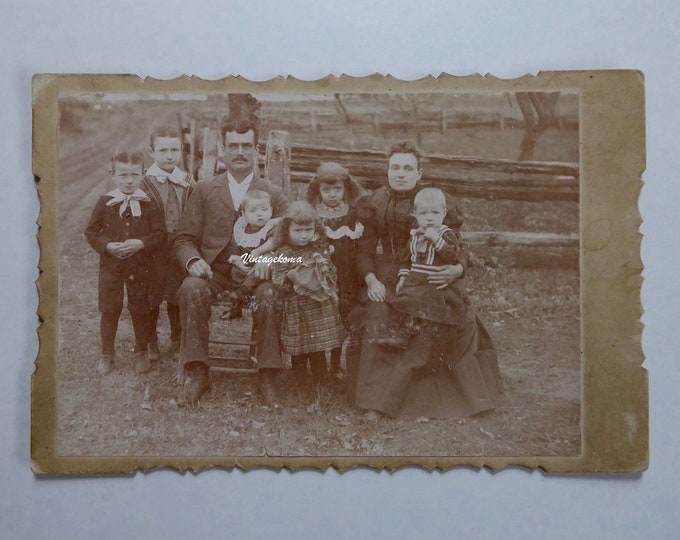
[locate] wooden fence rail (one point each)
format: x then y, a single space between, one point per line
461 176
303 154
382 122
493 239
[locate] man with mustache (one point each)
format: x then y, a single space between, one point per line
203 248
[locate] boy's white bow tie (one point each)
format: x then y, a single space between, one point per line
125 200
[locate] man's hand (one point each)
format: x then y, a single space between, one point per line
376 290
262 271
237 261
200 269
400 284
447 275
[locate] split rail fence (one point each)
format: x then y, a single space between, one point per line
292 166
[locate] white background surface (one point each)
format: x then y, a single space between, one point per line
309 40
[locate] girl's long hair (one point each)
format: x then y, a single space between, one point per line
332 173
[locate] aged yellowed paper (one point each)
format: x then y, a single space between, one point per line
528 355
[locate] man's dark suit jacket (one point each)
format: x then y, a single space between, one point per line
208 218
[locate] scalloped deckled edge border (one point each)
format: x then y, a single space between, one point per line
614 384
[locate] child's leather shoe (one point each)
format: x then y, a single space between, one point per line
140 361
105 364
154 352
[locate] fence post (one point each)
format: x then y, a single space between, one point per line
277 160
559 119
207 169
192 146
184 131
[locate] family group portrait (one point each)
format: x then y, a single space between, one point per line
321 274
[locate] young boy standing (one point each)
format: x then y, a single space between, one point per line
125 228
169 186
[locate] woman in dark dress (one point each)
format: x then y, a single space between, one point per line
445 375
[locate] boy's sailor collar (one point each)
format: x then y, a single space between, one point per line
251 240
125 200
177 176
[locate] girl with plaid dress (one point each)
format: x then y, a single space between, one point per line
305 278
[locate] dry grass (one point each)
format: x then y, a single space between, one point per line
532 316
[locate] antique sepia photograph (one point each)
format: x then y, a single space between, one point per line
336 270
354 274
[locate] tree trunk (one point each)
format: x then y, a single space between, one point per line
538 109
243 107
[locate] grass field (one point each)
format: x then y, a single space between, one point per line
532 314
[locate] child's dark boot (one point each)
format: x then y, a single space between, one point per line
265 380
335 368
299 368
319 371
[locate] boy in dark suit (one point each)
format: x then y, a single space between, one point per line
125 227
169 186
